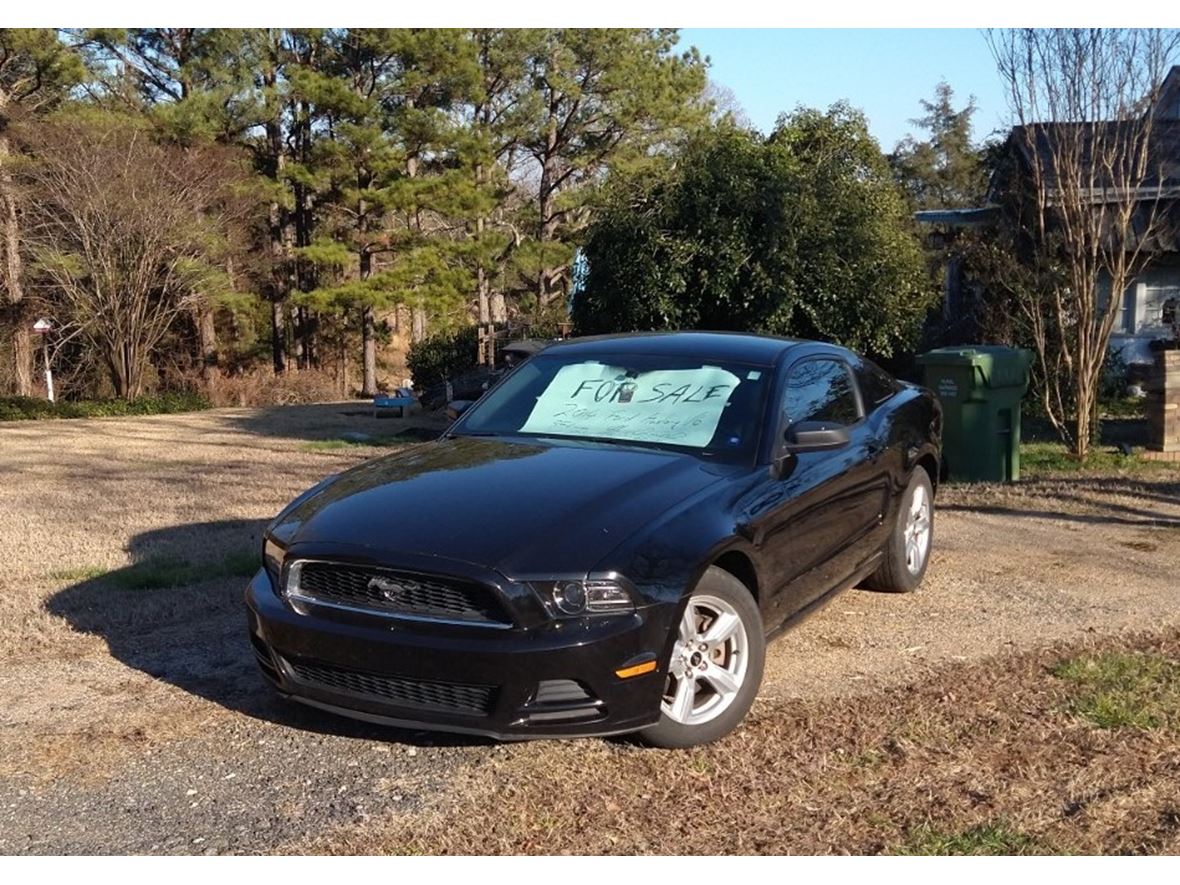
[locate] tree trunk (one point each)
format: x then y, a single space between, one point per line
547 197
418 324
486 353
305 278
115 369
307 334
125 370
279 289
10 274
499 308
549 277
369 341
278 336
22 356
368 315
277 228
207 335
1084 425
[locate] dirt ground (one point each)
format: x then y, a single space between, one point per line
132 718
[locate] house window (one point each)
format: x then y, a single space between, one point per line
1160 310
1127 319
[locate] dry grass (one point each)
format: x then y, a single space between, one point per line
88 754
980 759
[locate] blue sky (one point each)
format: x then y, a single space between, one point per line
883 72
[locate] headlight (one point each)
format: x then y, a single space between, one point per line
272 560
572 599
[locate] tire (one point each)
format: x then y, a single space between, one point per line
905 564
725 677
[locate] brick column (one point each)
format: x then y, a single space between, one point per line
1163 403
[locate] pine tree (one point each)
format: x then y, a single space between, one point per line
606 97
945 171
501 108
386 169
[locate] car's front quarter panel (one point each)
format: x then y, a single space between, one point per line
915 421
667 559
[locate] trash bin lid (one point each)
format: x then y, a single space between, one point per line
1000 366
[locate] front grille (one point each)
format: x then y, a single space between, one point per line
446 696
401 593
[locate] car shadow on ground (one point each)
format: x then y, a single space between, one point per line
1129 501
177 614
321 421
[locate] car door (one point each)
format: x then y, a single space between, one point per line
817 512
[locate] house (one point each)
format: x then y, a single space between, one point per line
1151 303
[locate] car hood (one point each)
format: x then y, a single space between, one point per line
521 508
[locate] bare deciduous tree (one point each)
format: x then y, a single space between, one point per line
125 234
1091 196
35 72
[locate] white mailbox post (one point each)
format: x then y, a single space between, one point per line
42 327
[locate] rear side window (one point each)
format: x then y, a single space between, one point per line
876 385
821 390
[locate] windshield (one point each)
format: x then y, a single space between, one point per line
674 402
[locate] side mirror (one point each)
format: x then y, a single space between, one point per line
816 436
457 407
807 436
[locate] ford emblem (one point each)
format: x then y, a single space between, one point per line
391 589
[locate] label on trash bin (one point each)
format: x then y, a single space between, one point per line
947 388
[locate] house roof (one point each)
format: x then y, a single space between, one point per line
1034 145
1037 142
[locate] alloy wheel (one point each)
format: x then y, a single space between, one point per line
709 661
917 530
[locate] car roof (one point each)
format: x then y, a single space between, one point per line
742 347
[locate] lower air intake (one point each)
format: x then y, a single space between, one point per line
418 694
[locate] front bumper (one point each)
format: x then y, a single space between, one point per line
552 680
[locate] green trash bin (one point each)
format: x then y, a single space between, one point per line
980 388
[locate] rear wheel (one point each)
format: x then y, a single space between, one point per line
715 667
907 552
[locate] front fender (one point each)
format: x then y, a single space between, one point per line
667 559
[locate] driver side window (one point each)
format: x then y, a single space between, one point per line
821 390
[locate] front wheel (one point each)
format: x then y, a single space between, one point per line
716 664
907 552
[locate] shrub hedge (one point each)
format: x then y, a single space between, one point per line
443 356
26 408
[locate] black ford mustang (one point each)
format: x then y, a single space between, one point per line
604 542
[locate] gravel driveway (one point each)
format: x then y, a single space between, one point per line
131 717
